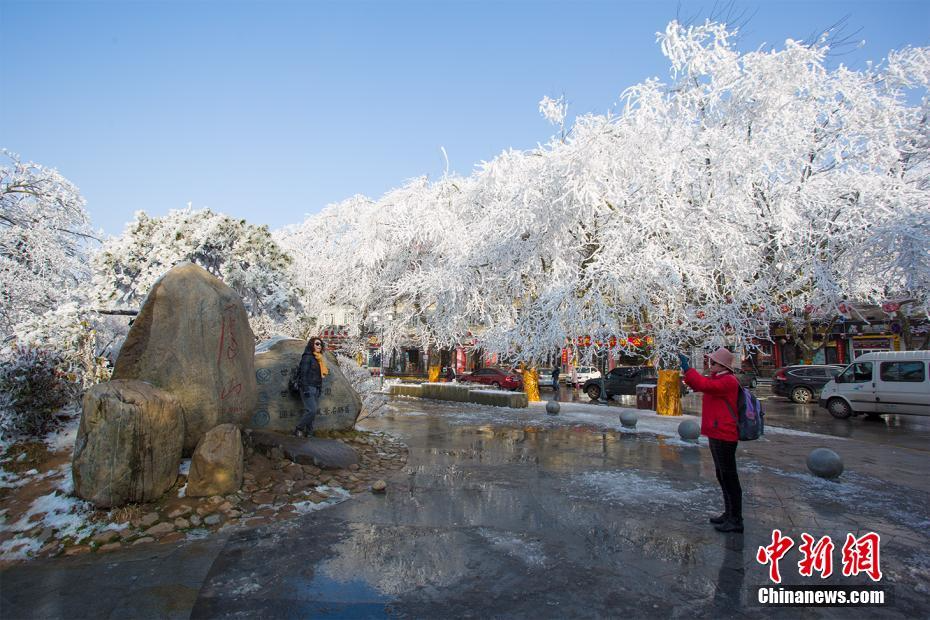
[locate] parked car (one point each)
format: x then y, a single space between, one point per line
494 377
545 377
802 383
876 383
620 380
583 374
747 379
623 380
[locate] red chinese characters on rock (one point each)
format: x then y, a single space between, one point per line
230 389
229 346
771 554
860 555
227 351
817 556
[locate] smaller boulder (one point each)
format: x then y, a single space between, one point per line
324 453
553 407
217 464
128 445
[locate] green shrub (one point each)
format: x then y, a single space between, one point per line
32 390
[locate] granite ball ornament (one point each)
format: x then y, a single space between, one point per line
553 407
628 419
824 463
689 430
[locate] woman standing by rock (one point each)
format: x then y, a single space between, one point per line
310 379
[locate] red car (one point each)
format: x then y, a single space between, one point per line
494 377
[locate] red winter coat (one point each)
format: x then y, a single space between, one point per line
716 420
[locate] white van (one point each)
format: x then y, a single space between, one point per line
887 382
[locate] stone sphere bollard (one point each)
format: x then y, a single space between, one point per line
628 419
552 407
689 430
825 463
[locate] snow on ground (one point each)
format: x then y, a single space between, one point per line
580 413
880 498
569 413
338 495
530 552
64 437
56 510
638 488
61 512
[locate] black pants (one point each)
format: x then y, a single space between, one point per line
724 453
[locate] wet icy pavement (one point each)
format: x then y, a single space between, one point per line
515 513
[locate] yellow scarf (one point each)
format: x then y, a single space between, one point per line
323 369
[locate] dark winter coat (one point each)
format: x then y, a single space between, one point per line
308 374
716 420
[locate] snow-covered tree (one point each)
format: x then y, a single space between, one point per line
45 238
364 254
243 255
748 189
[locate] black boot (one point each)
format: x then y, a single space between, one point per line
732 524
726 511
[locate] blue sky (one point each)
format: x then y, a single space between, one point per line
270 110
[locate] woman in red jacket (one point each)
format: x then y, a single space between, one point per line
719 426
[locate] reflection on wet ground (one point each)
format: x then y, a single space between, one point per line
512 513
902 431
531 519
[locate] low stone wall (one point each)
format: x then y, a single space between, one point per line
497 398
462 393
457 392
403 389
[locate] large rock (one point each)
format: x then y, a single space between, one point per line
324 453
192 338
278 409
128 445
216 468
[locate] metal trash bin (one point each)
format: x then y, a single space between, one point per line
646 396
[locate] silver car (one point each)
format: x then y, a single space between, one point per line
545 377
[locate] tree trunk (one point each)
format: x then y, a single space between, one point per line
804 336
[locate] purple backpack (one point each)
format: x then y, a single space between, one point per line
750 420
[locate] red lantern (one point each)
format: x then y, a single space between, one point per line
587 341
699 314
808 308
613 341
785 308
